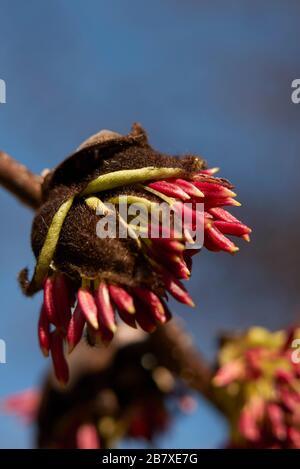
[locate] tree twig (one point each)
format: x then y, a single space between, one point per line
178 353
19 181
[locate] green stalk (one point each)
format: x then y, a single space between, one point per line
133 199
129 176
169 200
96 204
49 246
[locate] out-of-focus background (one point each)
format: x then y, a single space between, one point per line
203 76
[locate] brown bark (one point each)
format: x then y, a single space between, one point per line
19 181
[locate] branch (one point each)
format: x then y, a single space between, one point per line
178 353
19 181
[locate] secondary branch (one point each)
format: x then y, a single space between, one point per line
19 181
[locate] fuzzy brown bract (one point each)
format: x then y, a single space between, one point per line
79 250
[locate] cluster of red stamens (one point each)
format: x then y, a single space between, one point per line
66 312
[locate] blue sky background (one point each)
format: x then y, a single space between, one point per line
207 76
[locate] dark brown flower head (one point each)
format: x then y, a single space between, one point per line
129 394
86 277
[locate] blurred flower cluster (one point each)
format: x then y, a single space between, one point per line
258 382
